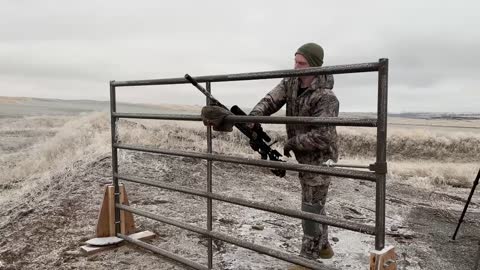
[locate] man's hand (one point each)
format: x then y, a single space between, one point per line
252 125
253 145
289 146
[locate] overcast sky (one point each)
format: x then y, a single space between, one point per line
72 49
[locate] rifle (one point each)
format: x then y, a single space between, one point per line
258 137
475 183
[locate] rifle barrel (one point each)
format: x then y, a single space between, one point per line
204 91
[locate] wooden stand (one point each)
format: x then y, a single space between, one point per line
384 259
105 232
106 217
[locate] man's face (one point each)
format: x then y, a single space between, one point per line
301 62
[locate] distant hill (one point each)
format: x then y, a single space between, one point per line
23 106
427 115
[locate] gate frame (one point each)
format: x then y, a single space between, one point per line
377 172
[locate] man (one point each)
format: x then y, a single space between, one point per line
308 96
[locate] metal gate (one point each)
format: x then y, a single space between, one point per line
377 171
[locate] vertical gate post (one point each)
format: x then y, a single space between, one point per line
113 128
381 162
382 258
209 186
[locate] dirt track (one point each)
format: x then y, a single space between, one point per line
46 217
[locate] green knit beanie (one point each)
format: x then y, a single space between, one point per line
313 53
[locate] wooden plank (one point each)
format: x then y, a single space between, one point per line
128 223
106 217
103 227
122 213
89 250
144 235
111 210
384 259
104 241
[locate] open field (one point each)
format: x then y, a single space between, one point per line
55 159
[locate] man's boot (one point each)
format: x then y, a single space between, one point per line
326 252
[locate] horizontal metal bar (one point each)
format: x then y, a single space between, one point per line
337 121
179 117
348 225
232 240
353 68
341 165
364 175
162 252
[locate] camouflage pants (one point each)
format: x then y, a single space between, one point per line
314 197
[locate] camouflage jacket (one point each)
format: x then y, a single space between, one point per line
312 144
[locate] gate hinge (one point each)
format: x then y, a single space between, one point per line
378 167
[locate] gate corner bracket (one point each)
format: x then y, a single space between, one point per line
378 167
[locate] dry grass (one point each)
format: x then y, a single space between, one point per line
416 157
428 174
79 140
413 143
